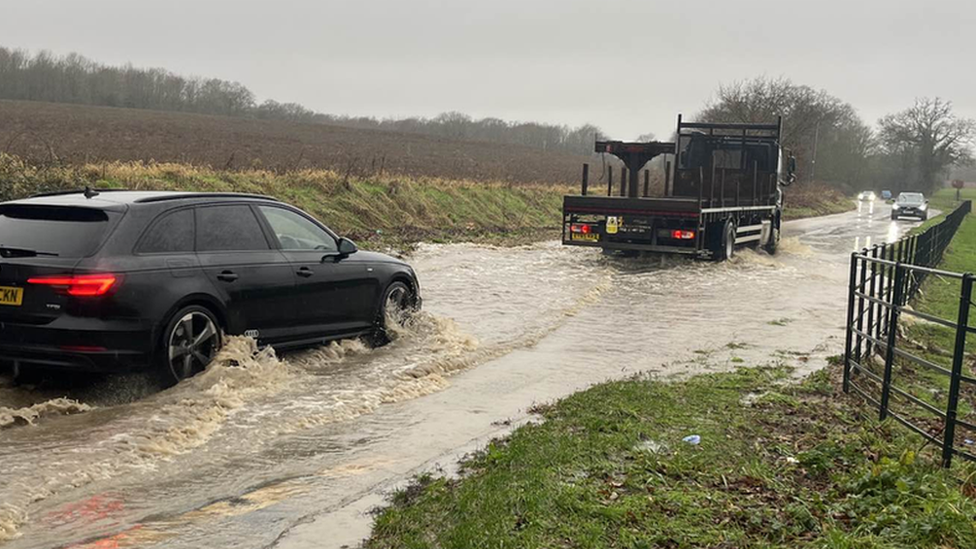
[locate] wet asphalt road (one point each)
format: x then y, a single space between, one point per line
293 451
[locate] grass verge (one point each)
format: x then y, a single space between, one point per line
814 199
387 210
780 464
381 210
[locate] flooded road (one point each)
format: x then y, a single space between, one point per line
291 451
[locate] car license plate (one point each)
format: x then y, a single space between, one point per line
11 296
586 237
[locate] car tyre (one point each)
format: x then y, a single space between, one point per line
397 305
894 216
190 341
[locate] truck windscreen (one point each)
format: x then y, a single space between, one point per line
723 154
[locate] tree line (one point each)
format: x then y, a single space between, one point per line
73 78
914 149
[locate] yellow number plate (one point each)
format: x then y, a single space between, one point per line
11 296
587 237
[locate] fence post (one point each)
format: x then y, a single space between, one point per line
906 277
850 324
958 355
860 307
610 181
871 304
623 181
889 291
586 177
892 339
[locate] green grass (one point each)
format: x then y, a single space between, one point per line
389 210
780 464
383 210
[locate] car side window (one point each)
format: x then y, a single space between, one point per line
296 232
171 233
233 227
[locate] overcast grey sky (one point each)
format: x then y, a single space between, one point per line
628 66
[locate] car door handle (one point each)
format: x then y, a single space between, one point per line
305 272
228 276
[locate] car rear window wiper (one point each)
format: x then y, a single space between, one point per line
10 251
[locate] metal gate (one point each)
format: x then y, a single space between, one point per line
883 281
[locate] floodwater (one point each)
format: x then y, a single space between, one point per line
292 451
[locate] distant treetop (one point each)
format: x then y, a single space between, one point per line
73 78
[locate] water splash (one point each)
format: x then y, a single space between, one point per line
30 414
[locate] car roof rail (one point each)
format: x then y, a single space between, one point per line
204 195
86 190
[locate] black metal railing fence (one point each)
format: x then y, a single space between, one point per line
883 281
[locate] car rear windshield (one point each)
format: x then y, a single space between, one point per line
65 231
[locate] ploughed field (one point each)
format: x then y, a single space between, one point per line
264 449
85 134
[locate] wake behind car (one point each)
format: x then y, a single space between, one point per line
910 205
121 280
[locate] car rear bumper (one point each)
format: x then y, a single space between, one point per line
77 344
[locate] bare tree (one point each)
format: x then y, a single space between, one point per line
830 141
927 139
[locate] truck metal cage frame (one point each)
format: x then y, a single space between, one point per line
716 177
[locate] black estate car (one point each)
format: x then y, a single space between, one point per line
116 280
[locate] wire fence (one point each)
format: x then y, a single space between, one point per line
880 353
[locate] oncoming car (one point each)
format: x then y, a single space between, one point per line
910 205
121 280
866 196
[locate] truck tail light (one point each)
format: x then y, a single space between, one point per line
580 228
679 234
92 285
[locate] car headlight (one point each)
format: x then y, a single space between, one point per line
895 206
924 207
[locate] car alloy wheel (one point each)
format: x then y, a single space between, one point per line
193 342
397 304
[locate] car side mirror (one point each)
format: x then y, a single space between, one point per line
347 247
791 165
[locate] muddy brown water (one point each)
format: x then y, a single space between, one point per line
291 451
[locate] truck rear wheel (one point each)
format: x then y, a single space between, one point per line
722 244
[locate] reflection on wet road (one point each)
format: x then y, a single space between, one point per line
291 450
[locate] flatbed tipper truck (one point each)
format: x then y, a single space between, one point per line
722 189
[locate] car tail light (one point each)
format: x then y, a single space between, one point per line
580 228
678 234
92 285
